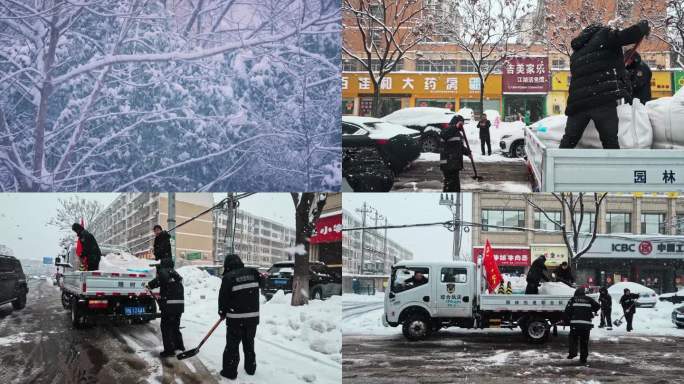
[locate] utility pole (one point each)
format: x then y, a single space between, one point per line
230 213
384 248
453 202
365 210
171 222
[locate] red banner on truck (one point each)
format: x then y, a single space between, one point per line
328 230
526 75
506 257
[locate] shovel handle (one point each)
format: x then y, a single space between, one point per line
210 331
470 155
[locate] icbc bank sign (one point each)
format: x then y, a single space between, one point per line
664 247
644 247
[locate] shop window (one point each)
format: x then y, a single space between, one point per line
498 217
466 66
541 221
347 106
619 222
404 278
350 65
653 223
438 103
474 104
559 64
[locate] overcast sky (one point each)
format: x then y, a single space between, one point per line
427 243
24 217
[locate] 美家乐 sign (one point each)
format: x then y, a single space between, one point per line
525 75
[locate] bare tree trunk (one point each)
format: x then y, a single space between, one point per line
482 89
375 111
304 228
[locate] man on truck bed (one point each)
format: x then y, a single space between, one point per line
536 274
91 251
162 243
238 303
579 311
171 305
564 275
598 80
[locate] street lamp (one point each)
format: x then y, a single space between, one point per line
453 202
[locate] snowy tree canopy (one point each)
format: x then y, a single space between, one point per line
145 95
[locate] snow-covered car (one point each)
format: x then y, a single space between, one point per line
323 282
428 120
673 297
364 169
647 296
678 317
398 145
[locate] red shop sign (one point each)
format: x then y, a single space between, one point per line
526 74
506 257
328 230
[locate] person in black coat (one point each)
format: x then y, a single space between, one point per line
171 305
451 155
91 251
536 274
598 81
483 126
628 302
579 312
239 304
606 307
640 76
564 274
162 243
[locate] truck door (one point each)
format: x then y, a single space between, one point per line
454 293
409 285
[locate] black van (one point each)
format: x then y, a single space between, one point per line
13 287
323 281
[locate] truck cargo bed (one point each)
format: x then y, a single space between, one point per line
106 283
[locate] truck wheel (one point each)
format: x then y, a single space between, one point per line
417 327
78 319
66 301
20 302
536 331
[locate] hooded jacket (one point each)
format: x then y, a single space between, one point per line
537 271
605 300
628 302
597 68
91 251
640 79
162 246
171 291
239 294
453 149
580 310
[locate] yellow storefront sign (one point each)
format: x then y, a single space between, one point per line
555 254
661 82
421 84
560 81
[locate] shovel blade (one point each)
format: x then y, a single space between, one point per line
617 323
187 354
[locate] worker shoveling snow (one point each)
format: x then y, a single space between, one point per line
123 262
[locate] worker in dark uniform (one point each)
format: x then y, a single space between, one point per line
536 274
564 274
579 312
628 302
416 280
639 75
171 305
606 307
91 251
239 304
451 155
162 243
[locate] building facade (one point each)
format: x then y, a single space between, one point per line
640 237
380 252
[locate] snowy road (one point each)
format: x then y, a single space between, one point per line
38 345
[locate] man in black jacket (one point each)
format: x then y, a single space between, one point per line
640 78
171 305
628 301
451 155
579 312
91 251
606 307
536 274
239 305
564 274
162 243
598 81
483 126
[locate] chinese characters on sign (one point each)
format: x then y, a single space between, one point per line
669 176
420 83
507 257
526 74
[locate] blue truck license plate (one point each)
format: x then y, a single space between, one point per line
131 311
280 281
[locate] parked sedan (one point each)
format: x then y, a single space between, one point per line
647 296
428 120
323 282
678 317
397 145
675 297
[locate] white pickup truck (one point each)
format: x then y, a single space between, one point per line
590 170
454 294
94 294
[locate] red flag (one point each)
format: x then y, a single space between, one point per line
79 251
491 269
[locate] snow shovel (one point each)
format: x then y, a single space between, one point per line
618 322
472 161
194 351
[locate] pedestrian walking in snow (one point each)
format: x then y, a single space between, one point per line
451 155
536 274
162 243
564 274
171 305
91 251
239 304
483 126
640 76
606 307
579 312
598 81
628 302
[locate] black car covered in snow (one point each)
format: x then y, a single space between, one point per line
323 281
396 144
364 169
429 121
13 287
678 317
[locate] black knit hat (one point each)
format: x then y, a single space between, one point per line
76 227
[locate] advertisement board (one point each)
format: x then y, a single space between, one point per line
526 75
555 254
506 256
634 247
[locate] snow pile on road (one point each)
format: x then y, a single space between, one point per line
556 288
123 262
296 344
618 289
